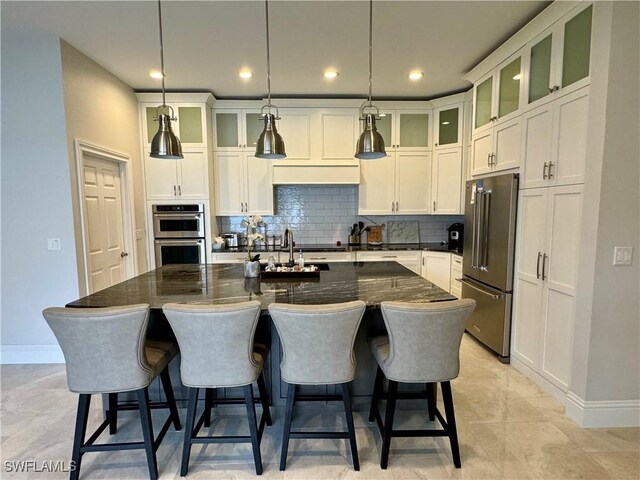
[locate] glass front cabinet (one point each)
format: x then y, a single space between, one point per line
407 130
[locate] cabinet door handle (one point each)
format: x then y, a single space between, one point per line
551 89
556 88
397 207
544 171
434 206
246 206
551 165
488 159
389 256
174 191
241 206
544 262
179 190
538 265
317 258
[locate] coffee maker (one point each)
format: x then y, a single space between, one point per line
455 237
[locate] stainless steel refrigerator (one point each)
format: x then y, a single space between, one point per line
489 246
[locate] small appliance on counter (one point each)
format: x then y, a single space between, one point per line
455 237
231 240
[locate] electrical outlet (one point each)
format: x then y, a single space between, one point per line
53 244
622 255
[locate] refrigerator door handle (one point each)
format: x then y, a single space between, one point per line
474 241
486 204
469 284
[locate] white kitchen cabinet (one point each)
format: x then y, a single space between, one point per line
311 258
554 141
557 61
447 126
396 184
446 181
185 179
339 131
456 273
545 280
190 126
295 128
436 267
407 130
406 258
497 148
243 184
236 129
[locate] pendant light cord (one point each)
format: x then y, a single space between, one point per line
161 52
370 46
266 8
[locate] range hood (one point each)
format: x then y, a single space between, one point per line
316 174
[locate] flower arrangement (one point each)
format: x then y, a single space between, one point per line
218 243
251 223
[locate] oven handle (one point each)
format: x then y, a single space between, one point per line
180 243
181 216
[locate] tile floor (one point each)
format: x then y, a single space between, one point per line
508 429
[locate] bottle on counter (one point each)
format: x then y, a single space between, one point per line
301 260
271 264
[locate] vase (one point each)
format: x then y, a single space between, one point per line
251 269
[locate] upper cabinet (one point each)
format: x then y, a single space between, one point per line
190 125
236 129
558 60
408 130
447 128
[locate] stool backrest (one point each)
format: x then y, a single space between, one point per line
216 343
317 341
103 347
424 339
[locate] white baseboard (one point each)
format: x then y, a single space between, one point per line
538 379
599 414
20 354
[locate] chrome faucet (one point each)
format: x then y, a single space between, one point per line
288 243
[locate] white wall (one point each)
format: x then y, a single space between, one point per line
36 195
102 110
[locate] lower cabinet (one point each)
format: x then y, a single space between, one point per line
545 280
456 273
406 258
436 267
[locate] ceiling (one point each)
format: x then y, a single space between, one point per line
208 42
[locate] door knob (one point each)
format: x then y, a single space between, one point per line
124 254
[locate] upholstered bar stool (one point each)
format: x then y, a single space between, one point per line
105 351
422 346
317 349
217 351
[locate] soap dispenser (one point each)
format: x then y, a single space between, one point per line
301 260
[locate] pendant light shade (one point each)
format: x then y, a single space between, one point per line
165 144
270 144
370 145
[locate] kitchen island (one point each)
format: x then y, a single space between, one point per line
371 282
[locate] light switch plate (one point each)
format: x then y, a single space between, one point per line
53 244
622 255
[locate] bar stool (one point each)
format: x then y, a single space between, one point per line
317 349
217 351
106 352
422 346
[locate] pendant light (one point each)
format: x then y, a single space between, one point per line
370 144
270 144
165 144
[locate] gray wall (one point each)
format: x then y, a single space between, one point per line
606 358
36 194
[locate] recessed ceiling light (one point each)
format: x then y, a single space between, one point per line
415 75
330 73
157 74
516 77
245 74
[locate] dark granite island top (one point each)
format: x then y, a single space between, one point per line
372 282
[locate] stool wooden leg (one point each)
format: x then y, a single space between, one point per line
432 396
188 430
388 423
253 427
264 399
346 398
147 432
375 396
447 399
113 413
208 401
81 429
171 399
288 415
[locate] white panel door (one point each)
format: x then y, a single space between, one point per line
294 127
193 181
161 178
527 311
376 192
537 128
446 181
481 150
413 174
229 174
570 139
259 185
339 134
559 275
507 143
104 232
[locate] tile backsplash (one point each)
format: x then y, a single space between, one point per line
325 214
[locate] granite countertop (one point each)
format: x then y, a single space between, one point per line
372 282
319 247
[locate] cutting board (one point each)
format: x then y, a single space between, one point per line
403 232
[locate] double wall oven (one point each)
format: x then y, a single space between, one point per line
179 234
